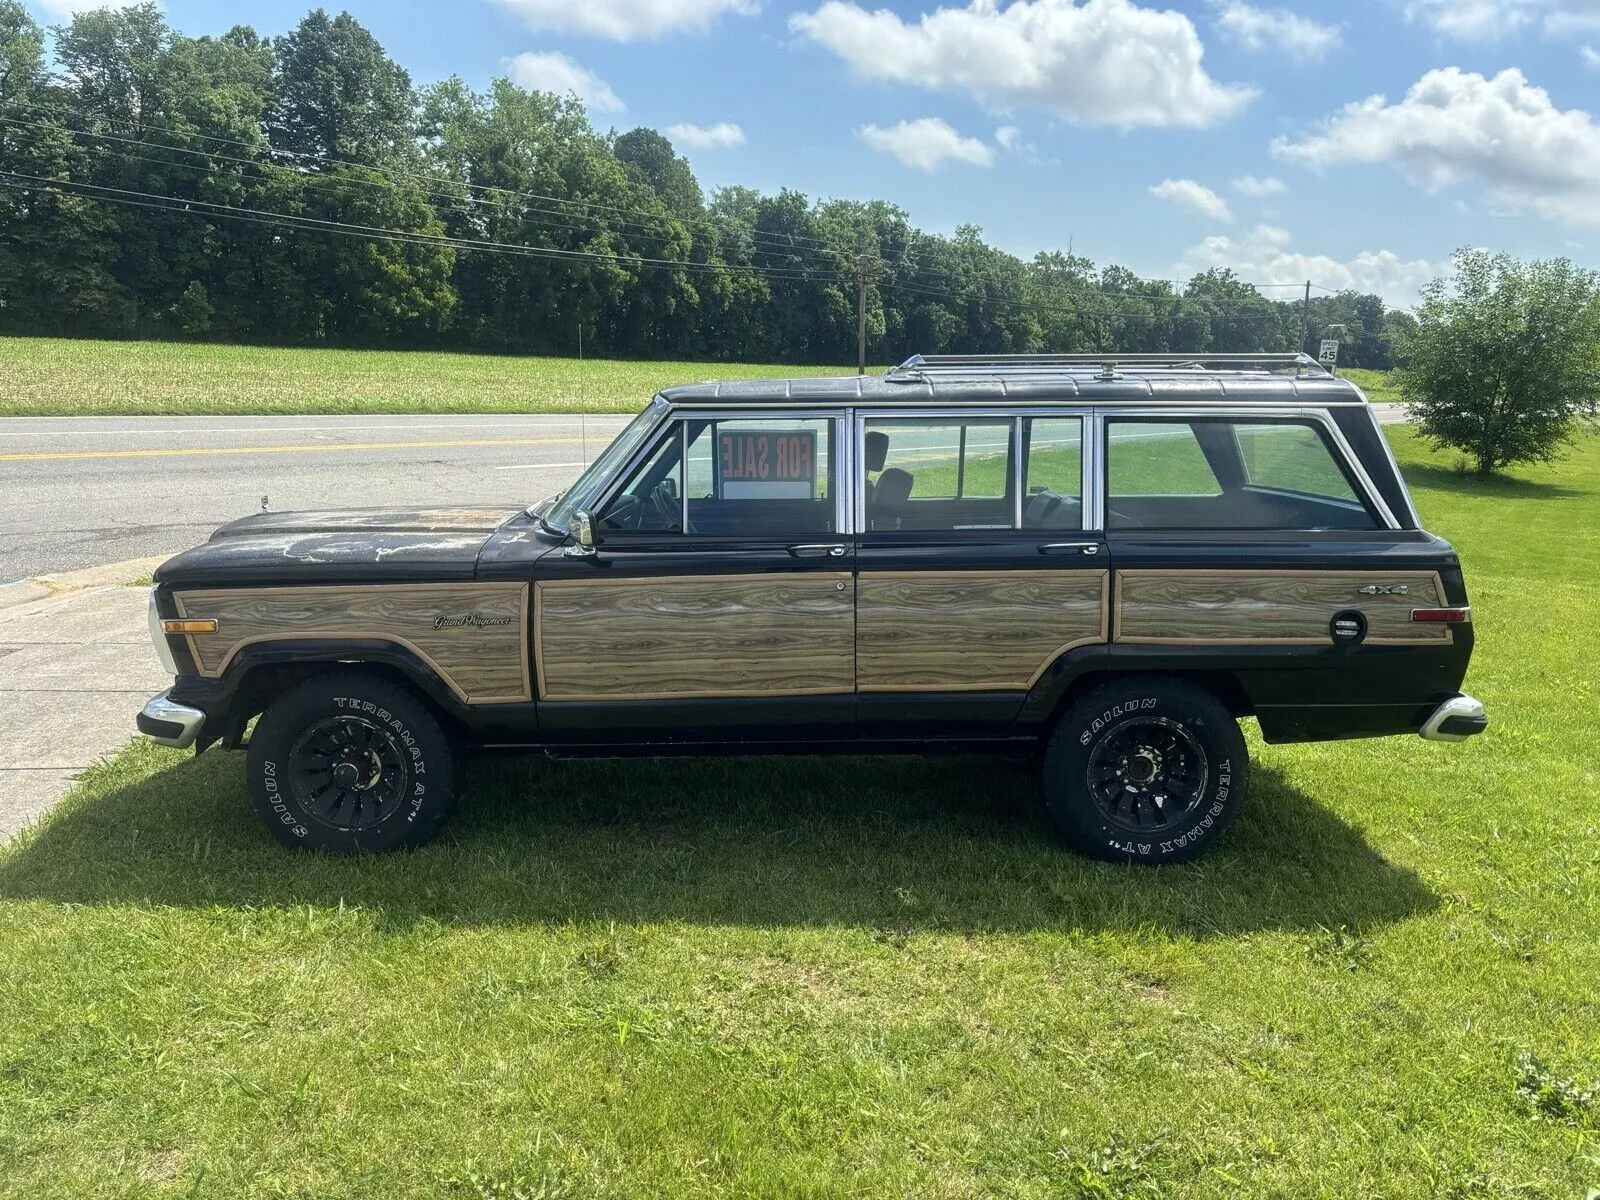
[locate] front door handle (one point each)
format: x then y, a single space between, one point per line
1069 548
817 551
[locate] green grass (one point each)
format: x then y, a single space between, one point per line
810 977
69 377
1378 385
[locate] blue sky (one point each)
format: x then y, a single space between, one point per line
1354 144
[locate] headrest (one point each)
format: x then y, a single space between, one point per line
877 449
893 490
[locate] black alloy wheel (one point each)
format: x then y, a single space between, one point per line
349 774
1146 769
1147 774
350 762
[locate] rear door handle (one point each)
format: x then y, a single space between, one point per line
1069 548
817 551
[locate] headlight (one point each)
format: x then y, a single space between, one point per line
158 636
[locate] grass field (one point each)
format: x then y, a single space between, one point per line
42 377
49 377
808 977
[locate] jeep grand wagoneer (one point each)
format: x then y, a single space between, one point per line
1108 559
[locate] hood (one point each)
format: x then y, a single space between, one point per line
347 545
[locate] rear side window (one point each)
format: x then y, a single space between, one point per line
1147 458
1291 458
1216 474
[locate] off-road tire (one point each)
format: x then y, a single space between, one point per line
1095 764
381 735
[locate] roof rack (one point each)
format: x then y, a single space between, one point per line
1110 364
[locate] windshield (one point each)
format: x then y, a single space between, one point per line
601 469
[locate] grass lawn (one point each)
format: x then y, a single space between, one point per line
50 377
810 977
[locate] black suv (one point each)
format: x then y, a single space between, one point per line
1107 559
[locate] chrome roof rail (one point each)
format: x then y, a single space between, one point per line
1105 365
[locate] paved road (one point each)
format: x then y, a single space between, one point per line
78 492
81 491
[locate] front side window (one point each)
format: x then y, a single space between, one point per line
938 474
1217 473
751 477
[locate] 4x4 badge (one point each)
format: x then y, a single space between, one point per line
1382 589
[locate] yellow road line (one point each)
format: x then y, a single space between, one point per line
317 448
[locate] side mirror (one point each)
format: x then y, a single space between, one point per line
581 530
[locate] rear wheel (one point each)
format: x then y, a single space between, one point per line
350 763
1147 770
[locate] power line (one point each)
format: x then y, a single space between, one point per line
789 242
206 208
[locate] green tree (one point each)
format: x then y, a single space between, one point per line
338 95
1505 359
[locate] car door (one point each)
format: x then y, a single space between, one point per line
719 602
977 568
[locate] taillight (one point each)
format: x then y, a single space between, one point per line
1442 616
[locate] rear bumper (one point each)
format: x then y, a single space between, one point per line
169 723
1457 719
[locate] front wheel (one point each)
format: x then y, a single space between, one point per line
1145 770
350 763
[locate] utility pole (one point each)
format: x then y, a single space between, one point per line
580 339
861 309
1305 319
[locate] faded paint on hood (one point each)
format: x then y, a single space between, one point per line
348 545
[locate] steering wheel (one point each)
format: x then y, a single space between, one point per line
623 514
664 499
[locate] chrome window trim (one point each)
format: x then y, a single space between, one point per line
1093 500
1018 413
687 413
1178 414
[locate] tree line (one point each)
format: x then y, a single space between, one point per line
301 189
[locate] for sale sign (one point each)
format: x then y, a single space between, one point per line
767 464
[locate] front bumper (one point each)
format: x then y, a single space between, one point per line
169 723
1457 719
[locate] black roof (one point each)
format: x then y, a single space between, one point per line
1042 379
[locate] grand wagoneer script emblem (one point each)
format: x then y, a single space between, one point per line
1382 589
470 621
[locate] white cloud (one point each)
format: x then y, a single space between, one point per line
555 72
927 144
1591 56
1266 255
1259 187
65 10
720 136
1491 20
1454 126
1009 137
1104 62
1186 193
624 20
1277 29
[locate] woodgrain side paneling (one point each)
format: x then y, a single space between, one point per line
484 660
968 631
786 634
1288 607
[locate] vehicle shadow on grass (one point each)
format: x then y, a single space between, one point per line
1498 487
892 844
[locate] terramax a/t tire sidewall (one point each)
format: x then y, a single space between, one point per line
397 711
1095 716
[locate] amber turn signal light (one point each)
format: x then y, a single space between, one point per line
189 626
